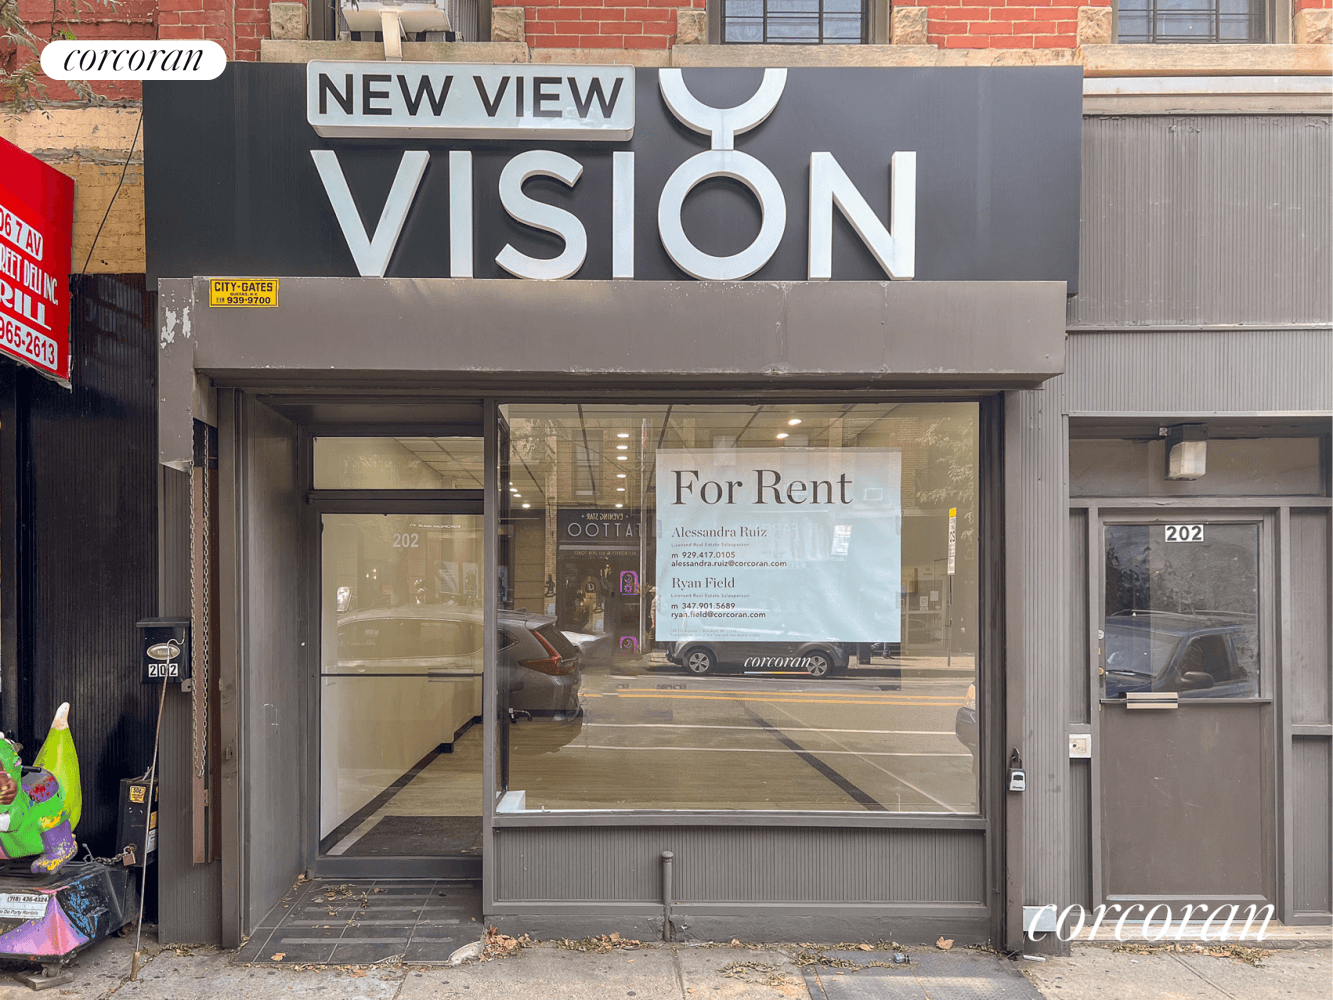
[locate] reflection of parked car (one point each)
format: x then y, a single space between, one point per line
1201 655
444 643
817 659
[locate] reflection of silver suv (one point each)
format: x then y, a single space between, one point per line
1204 654
442 642
704 656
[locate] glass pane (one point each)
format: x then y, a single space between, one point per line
1182 610
417 463
761 600
400 685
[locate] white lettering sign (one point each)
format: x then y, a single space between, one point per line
452 100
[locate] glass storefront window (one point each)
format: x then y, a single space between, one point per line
1182 609
401 684
403 463
761 607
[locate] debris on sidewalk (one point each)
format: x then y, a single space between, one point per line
600 944
473 949
499 945
758 974
1239 952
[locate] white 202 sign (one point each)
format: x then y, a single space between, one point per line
1184 532
893 248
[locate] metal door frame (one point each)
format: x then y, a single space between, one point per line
469 502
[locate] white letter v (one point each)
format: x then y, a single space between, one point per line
371 254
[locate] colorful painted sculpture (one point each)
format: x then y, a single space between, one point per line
39 808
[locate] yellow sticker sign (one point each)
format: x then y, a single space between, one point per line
254 293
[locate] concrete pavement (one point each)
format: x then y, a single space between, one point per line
549 971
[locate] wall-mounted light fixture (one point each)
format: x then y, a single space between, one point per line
1186 450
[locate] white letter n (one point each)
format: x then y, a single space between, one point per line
894 249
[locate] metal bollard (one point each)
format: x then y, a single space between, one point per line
667 857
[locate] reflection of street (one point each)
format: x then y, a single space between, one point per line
876 738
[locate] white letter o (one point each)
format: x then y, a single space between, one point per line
772 213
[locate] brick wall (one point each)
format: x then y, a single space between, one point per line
601 24
985 24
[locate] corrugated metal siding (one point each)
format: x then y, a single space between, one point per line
189 895
741 864
90 523
1205 219
1036 540
1079 706
1312 815
1198 371
1080 833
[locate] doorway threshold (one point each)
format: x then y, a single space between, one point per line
367 922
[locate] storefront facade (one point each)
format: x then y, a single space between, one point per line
692 592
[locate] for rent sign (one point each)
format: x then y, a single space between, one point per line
36 234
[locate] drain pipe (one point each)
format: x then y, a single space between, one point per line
667 857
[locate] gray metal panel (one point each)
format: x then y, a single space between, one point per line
740 865
1195 371
189 895
880 333
273 678
1205 219
1080 833
1308 661
1313 815
1036 534
1077 665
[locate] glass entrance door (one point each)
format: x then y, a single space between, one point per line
400 686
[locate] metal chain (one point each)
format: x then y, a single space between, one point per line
202 761
194 604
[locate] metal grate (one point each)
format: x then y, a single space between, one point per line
1174 22
809 22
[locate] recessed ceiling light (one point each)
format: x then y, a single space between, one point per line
623 434
782 435
793 421
622 447
620 489
622 458
620 475
526 505
620 505
517 496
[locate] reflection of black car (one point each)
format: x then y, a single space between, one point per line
816 659
1201 655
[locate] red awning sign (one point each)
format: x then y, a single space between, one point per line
36 239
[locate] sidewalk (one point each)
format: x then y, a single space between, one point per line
597 969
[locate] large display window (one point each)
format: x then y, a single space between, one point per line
747 607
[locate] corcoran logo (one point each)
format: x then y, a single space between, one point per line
184 59
581 103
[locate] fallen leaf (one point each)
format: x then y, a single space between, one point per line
944 943
277 956
358 973
865 947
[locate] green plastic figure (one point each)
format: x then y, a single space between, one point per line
39 809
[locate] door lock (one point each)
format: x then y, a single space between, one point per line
1018 780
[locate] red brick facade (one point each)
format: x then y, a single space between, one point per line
601 24
1024 24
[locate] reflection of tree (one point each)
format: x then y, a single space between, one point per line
1183 578
948 477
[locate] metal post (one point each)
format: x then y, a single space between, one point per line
667 858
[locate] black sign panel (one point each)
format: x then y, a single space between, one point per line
231 187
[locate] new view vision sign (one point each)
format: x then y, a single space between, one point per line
577 172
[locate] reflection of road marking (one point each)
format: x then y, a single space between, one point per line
680 693
782 700
885 770
789 729
813 753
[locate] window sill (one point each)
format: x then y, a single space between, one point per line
1205 60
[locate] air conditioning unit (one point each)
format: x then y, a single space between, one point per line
396 19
